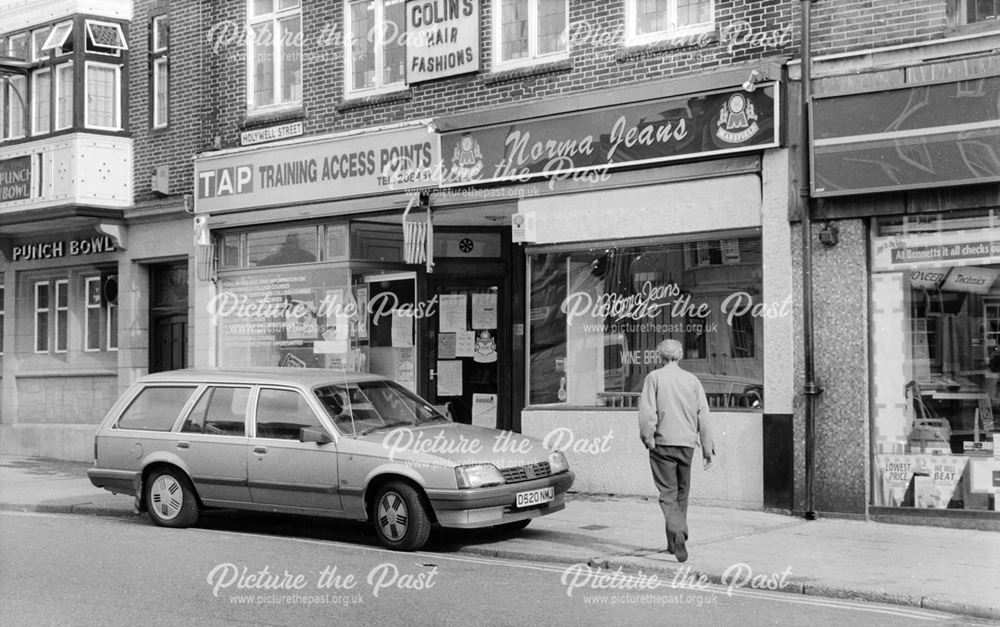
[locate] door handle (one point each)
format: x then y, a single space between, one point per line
183 445
260 449
433 374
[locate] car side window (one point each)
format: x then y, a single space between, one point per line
219 411
156 408
281 413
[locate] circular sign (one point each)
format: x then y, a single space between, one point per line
466 245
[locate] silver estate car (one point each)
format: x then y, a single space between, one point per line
320 443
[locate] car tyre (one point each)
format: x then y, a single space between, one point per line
170 499
400 517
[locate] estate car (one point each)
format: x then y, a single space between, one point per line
320 443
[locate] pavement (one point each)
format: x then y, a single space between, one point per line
949 570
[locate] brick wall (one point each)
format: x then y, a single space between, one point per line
851 25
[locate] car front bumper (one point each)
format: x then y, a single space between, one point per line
495 505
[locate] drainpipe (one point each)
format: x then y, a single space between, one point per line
810 389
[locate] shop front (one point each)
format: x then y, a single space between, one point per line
627 243
331 254
915 181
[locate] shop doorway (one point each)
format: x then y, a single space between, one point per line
468 360
168 316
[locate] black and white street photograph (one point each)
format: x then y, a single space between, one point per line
499 312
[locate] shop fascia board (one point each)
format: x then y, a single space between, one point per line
658 90
901 56
353 206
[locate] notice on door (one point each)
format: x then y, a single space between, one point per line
484 311
449 378
484 410
452 317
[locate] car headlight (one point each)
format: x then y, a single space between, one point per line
478 476
557 462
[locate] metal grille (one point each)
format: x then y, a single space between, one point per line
526 473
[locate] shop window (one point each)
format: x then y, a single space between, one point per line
155 408
936 359
597 314
651 20
282 246
160 71
41 300
375 45
62 316
527 31
274 72
103 96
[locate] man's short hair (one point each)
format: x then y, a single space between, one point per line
671 350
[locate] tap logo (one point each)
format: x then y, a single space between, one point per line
737 120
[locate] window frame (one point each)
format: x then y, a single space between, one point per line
92 47
158 112
36 101
88 310
57 123
2 317
117 68
56 39
533 57
633 38
18 84
274 17
62 317
379 88
35 285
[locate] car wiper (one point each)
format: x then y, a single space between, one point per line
379 428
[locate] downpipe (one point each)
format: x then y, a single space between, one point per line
810 389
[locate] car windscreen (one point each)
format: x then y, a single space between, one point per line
361 407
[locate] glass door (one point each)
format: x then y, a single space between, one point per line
469 366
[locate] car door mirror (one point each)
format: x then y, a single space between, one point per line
314 435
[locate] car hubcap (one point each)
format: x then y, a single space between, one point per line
166 497
392 516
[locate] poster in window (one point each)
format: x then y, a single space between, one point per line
449 377
361 295
453 310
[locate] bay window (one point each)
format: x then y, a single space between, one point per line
103 97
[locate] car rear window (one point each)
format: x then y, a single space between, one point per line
156 408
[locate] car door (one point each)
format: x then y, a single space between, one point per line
282 470
213 442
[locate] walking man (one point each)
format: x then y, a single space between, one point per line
673 417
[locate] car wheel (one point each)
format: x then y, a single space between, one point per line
401 520
170 499
511 527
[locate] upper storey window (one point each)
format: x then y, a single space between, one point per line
973 11
274 72
651 20
375 45
529 31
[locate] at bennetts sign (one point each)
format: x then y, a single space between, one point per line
442 38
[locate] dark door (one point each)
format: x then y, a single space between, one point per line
168 316
468 352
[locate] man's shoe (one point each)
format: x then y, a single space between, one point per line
680 550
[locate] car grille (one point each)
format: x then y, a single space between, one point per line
526 473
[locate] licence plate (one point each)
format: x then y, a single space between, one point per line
535 497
